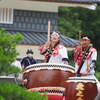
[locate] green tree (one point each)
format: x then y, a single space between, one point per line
68 22
8 52
71 62
10 91
73 19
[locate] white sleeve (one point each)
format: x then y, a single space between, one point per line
63 52
94 55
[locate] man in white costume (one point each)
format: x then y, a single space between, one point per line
53 51
16 63
18 76
88 55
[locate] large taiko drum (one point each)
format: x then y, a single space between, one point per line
53 93
47 74
80 88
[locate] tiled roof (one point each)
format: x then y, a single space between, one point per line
80 1
39 38
75 1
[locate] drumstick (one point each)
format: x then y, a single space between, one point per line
87 66
48 31
48 39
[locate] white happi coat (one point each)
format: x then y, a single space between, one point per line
58 53
92 55
16 64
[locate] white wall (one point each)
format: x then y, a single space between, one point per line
22 49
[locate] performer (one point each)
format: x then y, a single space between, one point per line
54 52
85 57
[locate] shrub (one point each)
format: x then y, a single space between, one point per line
8 51
10 91
97 74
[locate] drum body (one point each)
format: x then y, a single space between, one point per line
53 93
47 74
80 88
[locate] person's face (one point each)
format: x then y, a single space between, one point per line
29 54
85 43
54 38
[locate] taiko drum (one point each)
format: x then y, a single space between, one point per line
80 88
47 74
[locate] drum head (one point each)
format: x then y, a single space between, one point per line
50 66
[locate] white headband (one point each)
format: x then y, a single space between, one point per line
86 38
55 33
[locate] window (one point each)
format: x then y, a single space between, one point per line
6 15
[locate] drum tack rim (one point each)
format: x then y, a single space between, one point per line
49 90
81 79
49 66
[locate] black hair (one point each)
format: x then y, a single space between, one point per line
86 35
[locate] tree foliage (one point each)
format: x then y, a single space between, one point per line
8 51
10 91
75 19
68 24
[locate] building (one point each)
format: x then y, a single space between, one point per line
30 18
